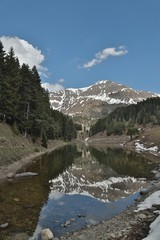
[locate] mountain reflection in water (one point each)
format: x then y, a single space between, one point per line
74 184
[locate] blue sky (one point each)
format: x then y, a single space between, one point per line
75 43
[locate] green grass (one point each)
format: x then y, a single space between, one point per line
9 155
13 147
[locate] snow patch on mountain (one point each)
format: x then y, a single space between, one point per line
104 96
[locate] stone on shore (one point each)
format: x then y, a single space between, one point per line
47 234
10 175
25 174
4 225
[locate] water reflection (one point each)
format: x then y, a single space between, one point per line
65 213
73 183
21 200
122 162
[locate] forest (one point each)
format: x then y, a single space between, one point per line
24 104
127 119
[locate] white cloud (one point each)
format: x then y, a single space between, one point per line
52 87
61 80
25 52
104 54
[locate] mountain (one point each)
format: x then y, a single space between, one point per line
96 100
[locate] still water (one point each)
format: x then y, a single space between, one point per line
76 186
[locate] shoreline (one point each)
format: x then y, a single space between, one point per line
10 170
128 225
124 226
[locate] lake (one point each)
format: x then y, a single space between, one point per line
76 186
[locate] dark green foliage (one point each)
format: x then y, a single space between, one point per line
78 127
15 129
124 119
9 87
132 131
44 140
25 105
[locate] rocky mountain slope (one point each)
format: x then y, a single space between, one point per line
96 100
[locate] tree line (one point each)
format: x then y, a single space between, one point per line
25 105
126 119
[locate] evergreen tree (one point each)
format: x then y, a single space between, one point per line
147 111
2 78
44 140
25 105
25 99
10 88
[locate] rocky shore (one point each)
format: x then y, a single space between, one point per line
129 225
126 226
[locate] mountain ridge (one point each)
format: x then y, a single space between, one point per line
96 100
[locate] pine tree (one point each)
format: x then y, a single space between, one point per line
2 78
10 87
24 110
25 105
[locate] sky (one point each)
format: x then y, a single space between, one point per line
75 43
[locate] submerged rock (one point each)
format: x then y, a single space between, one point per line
67 223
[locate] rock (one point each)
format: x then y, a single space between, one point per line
157 176
80 215
112 235
10 175
141 216
149 189
21 236
67 223
158 185
4 225
16 199
156 206
26 174
47 234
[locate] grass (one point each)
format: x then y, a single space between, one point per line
12 154
152 136
13 147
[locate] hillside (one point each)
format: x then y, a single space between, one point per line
97 100
135 125
13 147
142 113
16 151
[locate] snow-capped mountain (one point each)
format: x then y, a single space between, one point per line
96 100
